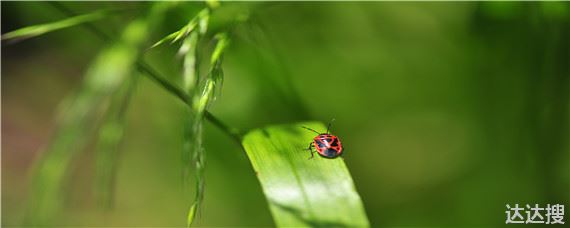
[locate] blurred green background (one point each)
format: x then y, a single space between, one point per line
447 111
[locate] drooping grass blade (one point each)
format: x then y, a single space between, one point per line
302 191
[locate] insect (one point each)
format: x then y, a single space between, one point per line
327 145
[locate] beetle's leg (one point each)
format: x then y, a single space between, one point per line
311 145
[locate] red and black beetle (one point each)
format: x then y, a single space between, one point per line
327 145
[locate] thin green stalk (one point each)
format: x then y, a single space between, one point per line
153 75
234 133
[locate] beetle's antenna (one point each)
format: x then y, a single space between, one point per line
329 126
311 129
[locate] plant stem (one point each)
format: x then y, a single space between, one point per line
154 75
232 132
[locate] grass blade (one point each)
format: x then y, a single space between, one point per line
36 30
301 191
82 114
108 142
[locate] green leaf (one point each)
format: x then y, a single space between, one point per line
302 191
36 30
